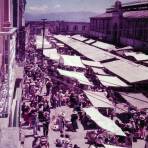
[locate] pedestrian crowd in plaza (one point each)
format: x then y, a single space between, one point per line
60 91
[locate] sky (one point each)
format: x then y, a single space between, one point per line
44 6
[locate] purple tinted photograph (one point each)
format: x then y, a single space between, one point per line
74 73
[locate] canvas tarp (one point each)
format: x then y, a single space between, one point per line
51 54
39 40
90 41
129 71
74 61
79 37
98 99
137 56
99 71
112 146
103 122
103 45
111 81
92 63
80 77
136 99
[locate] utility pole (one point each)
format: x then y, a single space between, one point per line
43 20
43 33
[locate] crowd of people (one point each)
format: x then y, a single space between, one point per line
40 73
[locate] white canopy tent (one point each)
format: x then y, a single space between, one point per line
104 122
98 99
103 45
138 56
112 146
129 71
92 63
74 61
79 37
51 54
136 99
39 40
80 77
89 51
99 71
111 81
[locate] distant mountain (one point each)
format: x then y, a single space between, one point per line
65 16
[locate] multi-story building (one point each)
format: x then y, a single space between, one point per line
9 33
125 24
60 27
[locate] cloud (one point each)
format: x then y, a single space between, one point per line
57 6
38 9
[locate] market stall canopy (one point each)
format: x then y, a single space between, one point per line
99 71
88 51
129 71
103 122
79 37
80 77
39 40
51 54
103 45
92 63
111 81
98 99
136 99
112 146
74 61
137 55
90 41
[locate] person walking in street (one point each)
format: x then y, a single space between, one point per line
74 118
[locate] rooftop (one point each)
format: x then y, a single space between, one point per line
128 14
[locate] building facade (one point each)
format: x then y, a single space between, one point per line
60 27
125 24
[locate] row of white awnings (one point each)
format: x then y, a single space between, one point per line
103 122
75 61
39 41
89 51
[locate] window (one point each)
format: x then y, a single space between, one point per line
83 28
75 28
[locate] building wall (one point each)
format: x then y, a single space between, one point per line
118 29
61 27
